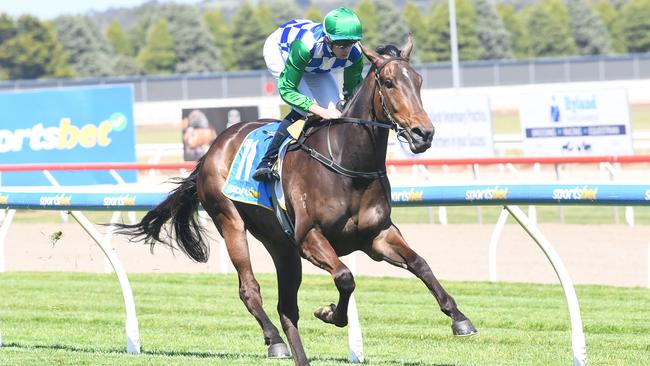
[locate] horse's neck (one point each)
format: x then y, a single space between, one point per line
360 106
367 144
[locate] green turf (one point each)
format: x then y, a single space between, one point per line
158 134
78 319
640 116
506 122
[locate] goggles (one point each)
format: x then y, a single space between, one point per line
345 43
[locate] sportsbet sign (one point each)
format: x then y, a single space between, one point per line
75 125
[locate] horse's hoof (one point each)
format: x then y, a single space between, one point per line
328 315
325 313
278 350
463 328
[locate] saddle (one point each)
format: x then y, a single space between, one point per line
241 187
293 142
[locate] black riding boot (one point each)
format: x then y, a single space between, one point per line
264 171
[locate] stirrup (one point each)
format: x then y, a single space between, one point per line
265 173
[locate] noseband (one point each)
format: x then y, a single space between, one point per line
394 125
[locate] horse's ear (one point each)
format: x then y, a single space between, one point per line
408 47
373 56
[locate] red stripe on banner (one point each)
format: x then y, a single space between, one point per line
95 166
405 162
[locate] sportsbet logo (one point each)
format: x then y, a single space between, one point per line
577 193
64 137
487 194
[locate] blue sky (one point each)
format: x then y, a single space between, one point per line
48 9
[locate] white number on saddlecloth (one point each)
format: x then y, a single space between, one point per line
250 150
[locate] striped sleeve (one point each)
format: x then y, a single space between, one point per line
290 77
352 77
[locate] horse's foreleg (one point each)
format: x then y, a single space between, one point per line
390 246
289 274
317 249
234 236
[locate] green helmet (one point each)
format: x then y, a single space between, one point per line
342 24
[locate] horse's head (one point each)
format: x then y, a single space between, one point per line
397 94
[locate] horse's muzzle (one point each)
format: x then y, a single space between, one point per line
420 139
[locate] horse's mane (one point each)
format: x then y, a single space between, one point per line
388 50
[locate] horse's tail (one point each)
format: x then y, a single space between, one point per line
180 207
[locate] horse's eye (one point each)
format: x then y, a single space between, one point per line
388 83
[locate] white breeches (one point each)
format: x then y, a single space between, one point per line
321 88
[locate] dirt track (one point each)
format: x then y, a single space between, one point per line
593 254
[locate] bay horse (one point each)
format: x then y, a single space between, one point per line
336 208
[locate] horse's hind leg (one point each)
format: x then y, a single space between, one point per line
390 246
316 249
233 231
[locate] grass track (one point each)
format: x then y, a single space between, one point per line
78 319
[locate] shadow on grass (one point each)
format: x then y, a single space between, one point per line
217 355
220 355
343 360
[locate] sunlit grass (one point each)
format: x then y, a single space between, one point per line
640 115
158 134
78 319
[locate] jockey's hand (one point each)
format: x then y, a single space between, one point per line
331 113
325 113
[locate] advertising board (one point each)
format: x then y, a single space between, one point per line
595 122
200 126
463 128
67 125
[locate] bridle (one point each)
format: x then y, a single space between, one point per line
395 126
375 122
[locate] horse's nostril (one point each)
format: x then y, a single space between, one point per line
424 134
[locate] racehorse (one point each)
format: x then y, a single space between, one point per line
337 208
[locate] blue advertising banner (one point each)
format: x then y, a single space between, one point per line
71 125
107 201
110 199
532 194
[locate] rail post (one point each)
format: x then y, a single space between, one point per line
577 335
132 329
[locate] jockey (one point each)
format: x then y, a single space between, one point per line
300 55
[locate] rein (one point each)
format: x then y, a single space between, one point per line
330 163
375 122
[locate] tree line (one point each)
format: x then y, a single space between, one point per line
174 38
